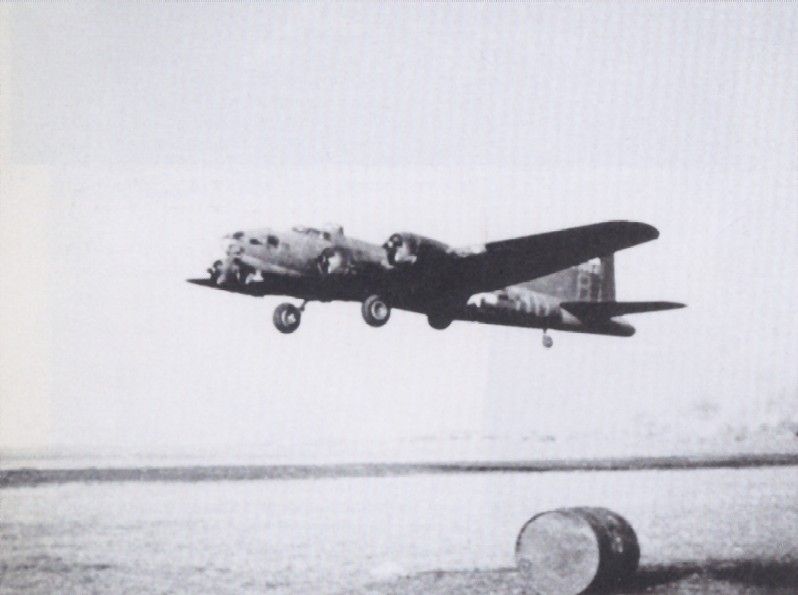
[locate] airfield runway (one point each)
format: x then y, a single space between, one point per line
702 530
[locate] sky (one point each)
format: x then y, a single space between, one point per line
133 136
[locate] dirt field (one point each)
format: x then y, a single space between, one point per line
703 530
749 577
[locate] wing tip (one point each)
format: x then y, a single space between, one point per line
644 231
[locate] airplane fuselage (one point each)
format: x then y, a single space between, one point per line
325 265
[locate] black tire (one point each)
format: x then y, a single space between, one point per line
438 322
286 318
375 311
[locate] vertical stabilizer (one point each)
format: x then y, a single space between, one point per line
596 280
608 278
592 281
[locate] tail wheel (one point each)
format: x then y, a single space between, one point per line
438 322
375 311
547 341
287 318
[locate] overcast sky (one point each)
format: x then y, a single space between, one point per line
135 135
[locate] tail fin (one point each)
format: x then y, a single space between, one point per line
592 281
607 273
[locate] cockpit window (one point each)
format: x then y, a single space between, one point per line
272 241
255 241
310 231
238 235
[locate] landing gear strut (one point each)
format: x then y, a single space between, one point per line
375 311
547 340
287 317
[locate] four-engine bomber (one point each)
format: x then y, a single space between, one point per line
562 280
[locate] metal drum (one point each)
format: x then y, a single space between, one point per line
569 550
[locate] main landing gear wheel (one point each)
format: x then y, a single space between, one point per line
287 318
547 340
375 311
438 322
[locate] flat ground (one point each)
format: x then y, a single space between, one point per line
729 530
749 577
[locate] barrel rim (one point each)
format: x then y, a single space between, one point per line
605 524
571 515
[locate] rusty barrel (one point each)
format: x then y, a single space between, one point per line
570 550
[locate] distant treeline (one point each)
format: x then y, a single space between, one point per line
33 477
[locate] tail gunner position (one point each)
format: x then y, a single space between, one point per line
563 280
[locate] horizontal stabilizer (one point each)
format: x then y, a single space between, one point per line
597 311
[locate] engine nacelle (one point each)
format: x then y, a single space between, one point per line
409 249
333 261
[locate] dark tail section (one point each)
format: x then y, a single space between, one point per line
607 278
600 311
592 281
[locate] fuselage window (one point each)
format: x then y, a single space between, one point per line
326 236
238 235
255 241
272 241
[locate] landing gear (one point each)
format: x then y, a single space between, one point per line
547 340
438 322
375 311
287 317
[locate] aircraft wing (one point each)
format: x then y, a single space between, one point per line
522 259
